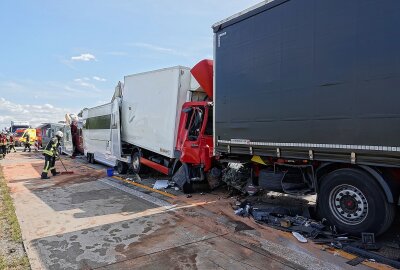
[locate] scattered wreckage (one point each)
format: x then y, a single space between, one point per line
296 219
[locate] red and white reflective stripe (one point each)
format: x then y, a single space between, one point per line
312 145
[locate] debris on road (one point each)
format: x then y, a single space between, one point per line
299 237
292 219
161 184
355 261
371 256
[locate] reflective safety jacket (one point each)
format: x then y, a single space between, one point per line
51 147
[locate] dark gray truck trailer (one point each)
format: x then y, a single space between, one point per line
313 86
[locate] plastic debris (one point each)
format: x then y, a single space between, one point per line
355 261
239 212
299 237
161 184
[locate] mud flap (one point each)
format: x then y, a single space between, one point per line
182 179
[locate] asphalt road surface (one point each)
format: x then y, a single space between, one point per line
88 221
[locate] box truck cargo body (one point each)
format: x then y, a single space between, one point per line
313 86
151 106
96 134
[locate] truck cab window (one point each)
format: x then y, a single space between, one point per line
188 118
196 124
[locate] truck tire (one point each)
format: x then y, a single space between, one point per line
122 167
137 166
92 161
352 200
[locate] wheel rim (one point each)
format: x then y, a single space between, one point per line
348 204
136 163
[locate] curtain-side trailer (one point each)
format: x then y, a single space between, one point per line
306 92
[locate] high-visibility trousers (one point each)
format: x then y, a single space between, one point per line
49 163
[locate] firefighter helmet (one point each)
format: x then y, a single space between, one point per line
59 134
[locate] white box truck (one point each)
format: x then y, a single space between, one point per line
147 116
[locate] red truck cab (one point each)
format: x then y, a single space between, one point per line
195 132
195 135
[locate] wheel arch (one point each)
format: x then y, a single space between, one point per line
135 150
329 167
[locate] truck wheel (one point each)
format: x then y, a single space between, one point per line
136 165
92 161
351 200
122 168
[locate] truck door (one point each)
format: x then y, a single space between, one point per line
191 150
115 129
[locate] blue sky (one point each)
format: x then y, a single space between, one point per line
57 58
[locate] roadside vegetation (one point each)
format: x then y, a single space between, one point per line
12 253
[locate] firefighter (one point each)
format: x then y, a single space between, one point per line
12 144
7 143
27 142
2 154
4 146
50 153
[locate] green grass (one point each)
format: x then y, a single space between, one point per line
3 262
9 220
20 263
17 264
8 212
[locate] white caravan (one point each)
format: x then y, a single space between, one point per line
97 134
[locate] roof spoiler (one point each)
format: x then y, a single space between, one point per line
203 73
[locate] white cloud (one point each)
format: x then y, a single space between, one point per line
81 79
116 53
13 85
156 48
70 89
84 57
152 47
85 82
88 85
35 114
99 79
